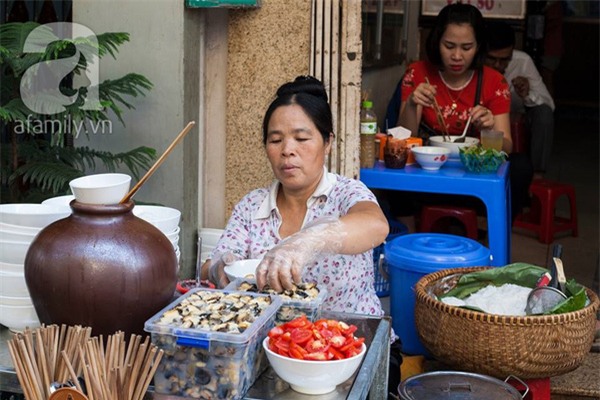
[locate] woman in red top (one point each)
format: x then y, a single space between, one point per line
455 50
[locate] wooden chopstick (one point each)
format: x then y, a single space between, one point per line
440 116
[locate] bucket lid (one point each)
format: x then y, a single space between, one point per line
427 252
450 385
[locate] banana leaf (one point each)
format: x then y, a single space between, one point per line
576 300
522 274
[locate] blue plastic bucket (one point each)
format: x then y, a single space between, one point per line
411 257
382 285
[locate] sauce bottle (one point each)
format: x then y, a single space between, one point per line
368 129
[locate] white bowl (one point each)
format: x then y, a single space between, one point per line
20 301
439 141
174 234
13 285
175 242
100 188
31 215
60 200
313 377
10 228
11 268
17 318
17 236
166 219
13 252
242 269
431 157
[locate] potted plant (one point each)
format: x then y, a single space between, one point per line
38 126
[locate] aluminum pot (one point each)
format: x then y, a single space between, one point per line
453 385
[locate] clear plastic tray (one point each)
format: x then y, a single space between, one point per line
290 308
199 363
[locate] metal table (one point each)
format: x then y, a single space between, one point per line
370 381
493 189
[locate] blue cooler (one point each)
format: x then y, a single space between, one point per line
411 257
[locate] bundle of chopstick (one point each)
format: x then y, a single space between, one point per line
62 355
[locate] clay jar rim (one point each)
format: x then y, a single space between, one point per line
96 209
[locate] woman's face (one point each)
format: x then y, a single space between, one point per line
295 148
457 48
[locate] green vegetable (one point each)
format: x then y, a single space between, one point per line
477 159
522 274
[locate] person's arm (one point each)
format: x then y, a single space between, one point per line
361 229
529 85
411 110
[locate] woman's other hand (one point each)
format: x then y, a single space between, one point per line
482 117
424 95
216 269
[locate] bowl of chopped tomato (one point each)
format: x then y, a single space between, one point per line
314 357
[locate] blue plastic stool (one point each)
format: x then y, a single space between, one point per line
382 284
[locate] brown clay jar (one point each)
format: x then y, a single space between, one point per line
101 267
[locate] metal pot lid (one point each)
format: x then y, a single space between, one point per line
453 385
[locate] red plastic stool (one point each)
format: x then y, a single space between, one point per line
519 133
539 389
431 217
541 217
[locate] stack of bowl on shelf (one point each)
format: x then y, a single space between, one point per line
166 219
19 225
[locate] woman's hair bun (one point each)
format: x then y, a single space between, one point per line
304 84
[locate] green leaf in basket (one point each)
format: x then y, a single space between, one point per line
522 274
576 300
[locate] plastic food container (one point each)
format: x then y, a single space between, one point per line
203 363
409 258
292 308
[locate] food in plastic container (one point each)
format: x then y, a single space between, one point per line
305 299
212 343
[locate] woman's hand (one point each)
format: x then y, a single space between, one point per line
216 269
482 117
423 95
282 266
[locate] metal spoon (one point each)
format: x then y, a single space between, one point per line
461 138
544 298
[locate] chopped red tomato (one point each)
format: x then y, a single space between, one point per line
275 332
325 339
337 341
300 335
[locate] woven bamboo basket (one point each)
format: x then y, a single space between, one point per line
525 346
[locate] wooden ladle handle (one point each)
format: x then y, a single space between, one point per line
158 162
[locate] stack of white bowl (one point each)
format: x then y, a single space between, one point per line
166 219
19 225
210 237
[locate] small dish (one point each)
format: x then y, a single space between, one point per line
242 269
431 158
